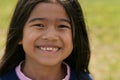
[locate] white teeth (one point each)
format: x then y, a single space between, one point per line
48 49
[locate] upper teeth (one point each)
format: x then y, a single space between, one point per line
48 49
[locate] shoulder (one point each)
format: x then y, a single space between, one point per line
84 76
87 76
11 75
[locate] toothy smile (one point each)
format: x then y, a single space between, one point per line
49 48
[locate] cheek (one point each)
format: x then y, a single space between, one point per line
68 38
30 34
68 41
29 38
68 46
28 42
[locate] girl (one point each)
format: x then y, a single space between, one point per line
47 40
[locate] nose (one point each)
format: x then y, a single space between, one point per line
50 34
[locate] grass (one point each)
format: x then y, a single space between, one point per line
102 19
6 9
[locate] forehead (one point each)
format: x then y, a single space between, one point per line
49 10
50 6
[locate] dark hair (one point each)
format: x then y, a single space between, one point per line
14 53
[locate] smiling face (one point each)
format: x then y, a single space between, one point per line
47 35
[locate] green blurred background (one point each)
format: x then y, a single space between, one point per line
102 19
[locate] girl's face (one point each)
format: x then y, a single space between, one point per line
47 36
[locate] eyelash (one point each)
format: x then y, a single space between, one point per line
63 26
39 25
59 26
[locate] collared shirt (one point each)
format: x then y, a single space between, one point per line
21 75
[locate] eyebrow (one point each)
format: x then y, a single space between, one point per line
36 19
59 19
65 20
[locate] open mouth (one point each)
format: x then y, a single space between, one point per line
48 49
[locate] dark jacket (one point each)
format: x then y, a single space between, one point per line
13 76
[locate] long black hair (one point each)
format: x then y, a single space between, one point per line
14 53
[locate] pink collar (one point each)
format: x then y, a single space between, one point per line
21 75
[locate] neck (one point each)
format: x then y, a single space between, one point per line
38 72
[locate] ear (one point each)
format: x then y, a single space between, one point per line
20 42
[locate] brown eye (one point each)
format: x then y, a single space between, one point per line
38 25
64 26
